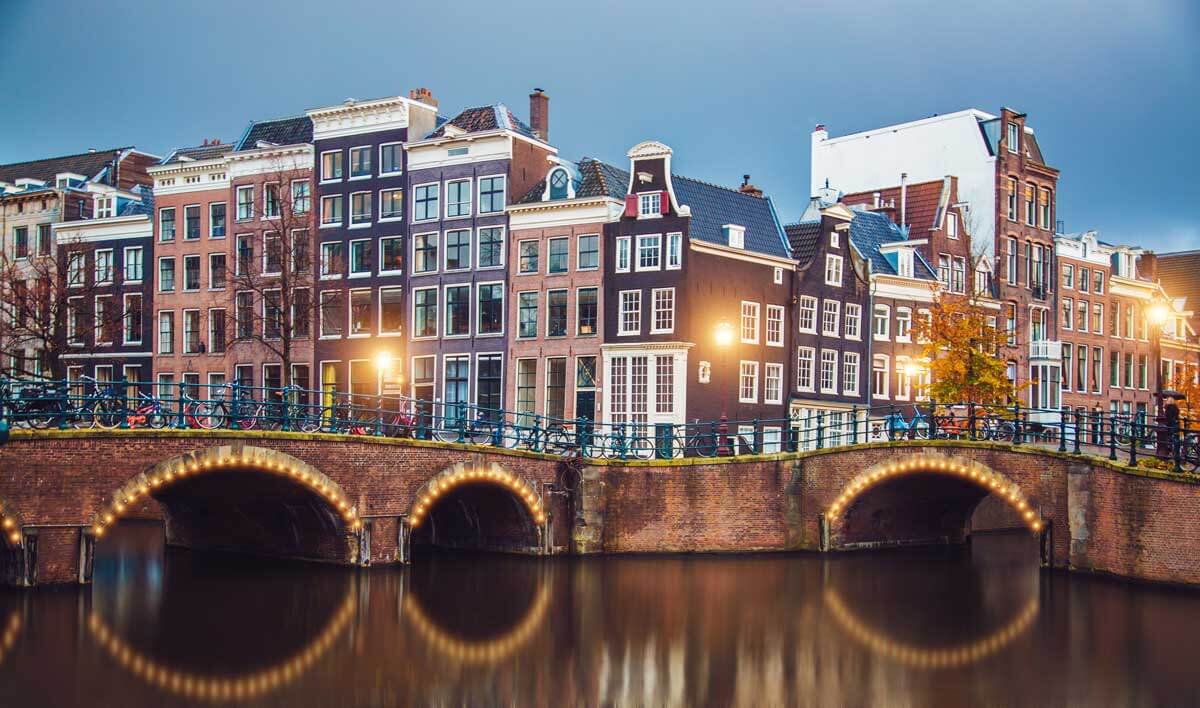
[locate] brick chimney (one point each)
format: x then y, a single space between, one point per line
748 188
423 95
539 114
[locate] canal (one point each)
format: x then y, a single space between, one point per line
915 627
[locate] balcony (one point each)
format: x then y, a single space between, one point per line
1045 350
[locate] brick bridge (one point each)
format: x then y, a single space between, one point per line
362 500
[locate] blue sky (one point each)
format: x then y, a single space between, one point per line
1111 87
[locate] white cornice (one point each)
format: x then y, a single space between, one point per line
353 118
276 158
576 212
186 167
738 254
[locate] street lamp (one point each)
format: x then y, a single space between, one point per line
723 335
383 366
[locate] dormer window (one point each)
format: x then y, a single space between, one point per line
559 179
105 207
834 239
735 235
649 204
1013 134
904 263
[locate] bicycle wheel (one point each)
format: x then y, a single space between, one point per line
156 419
704 445
207 415
107 413
641 448
481 434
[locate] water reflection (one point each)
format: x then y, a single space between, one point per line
917 627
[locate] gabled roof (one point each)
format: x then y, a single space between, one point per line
483 118
713 207
924 206
1179 274
592 179
89 164
869 230
280 131
803 239
198 152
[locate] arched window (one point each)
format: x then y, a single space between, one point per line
558 184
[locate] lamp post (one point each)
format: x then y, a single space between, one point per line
1158 314
383 366
723 335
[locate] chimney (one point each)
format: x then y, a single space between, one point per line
205 143
1147 267
423 95
539 114
748 188
116 169
903 198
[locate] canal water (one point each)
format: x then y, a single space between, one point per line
919 627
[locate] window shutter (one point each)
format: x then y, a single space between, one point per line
665 202
631 205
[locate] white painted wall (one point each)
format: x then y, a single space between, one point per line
927 149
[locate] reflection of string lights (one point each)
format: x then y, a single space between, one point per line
8 638
461 474
927 463
213 459
477 652
921 658
215 688
10 523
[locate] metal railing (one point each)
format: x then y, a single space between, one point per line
91 403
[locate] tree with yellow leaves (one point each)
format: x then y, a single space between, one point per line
962 350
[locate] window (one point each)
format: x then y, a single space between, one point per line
831 311
958 275
1097 357
778 275
664 312
133 264
883 315
131 319
1085 280
1081 322
808 314
829 361
425 312
1030 204
332 313
105 207
360 312
216 220
736 235
586 311
853 320
1068 276
1044 208
272 314
903 380
951 225
1068 313
650 204
488 370
360 208
360 162
1010 265
833 270
391 204
748 382
1098 317
491 194
1067 361
360 257
1081 359
675 253
558 255
526 389
191 331
166 333
391 310
1012 188
425 202
556 387
649 252
458 310
456 383
391 255
556 313
75 324
850 373
43 239
1098 282
880 376
458 198
491 247
1143 371
103 266
245 203
166 223
588 254
664 383
1114 368
805 361
191 273
944 270
1012 143
216 331
749 329
425 253
774 326
332 260
331 210
631 312
244 255
903 324
391 159
527 314
301 316
331 165
166 275
458 249
191 222
558 184
301 196
527 257
491 308
623 246
773 383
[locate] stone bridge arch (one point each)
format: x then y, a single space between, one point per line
922 495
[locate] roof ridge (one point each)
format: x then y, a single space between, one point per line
63 157
733 190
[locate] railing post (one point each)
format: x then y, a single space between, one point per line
820 429
235 396
854 424
462 426
1062 431
1112 437
286 411
124 412
1176 444
757 438
581 439
621 449
971 420
1078 431
1018 433
537 433
180 422
65 402
378 416
1133 442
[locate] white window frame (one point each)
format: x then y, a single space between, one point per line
806 355
833 263
831 328
808 303
654 328
887 323
469 202
624 248
904 331
674 251
622 331
184 284
385 219
503 192
645 200
657 249
833 387
342 166
350 272
851 362
437 212
349 166
391 173
887 376
776 315
749 315
141 257
503 312
389 271
124 313
856 318
325 223
412 312
773 372
108 252
380 332
362 223
747 368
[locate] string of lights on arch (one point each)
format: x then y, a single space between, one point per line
484 651
198 463
927 463
10 523
461 474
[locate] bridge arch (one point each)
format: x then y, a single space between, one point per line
464 495
961 472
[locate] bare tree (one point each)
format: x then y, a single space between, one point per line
48 303
273 279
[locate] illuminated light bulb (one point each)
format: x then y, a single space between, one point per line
120 507
15 537
1037 526
108 518
8 523
98 530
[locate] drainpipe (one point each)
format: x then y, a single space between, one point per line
903 197
869 365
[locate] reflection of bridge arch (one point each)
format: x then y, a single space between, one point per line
216 688
10 523
925 658
463 474
965 470
225 458
12 629
483 651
